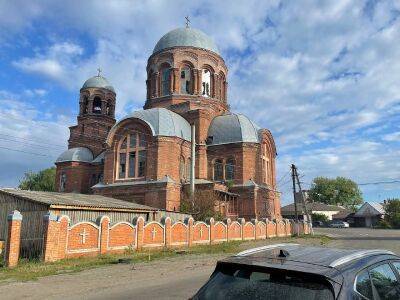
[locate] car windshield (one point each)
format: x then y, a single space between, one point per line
251 284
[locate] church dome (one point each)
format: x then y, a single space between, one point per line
98 82
233 128
189 37
161 122
80 154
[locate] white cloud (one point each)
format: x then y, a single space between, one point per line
323 76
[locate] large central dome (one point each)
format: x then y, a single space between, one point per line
188 37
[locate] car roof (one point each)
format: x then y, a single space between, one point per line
330 262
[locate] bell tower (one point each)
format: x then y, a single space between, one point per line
96 114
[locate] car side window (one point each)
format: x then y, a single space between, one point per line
385 282
396 264
363 285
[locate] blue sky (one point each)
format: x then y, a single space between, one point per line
323 76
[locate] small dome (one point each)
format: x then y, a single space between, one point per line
98 82
233 128
182 37
162 122
80 154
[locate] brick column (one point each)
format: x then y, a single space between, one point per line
13 239
276 227
196 90
228 225
254 221
242 221
210 222
166 221
177 81
158 84
62 240
189 222
51 237
139 223
104 224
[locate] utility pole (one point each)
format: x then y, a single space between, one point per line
293 167
302 198
192 163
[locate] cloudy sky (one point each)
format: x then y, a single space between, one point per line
324 78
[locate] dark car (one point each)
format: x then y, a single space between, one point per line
318 224
291 271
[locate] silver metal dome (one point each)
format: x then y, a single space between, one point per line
186 37
233 128
98 82
162 122
80 154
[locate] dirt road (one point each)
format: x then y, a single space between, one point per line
174 278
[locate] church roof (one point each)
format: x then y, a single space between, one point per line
161 122
80 154
98 82
186 37
233 128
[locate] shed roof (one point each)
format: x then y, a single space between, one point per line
74 200
370 209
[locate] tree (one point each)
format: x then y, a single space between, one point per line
336 191
392 210
204 205
320 217
44 180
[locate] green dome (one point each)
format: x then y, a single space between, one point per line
98 82
189 37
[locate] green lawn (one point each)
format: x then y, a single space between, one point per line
31 270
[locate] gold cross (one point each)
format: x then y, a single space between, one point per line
187 21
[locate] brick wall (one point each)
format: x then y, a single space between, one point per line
64 240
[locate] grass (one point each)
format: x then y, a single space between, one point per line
32 270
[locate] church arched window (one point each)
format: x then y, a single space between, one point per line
97 105
85 104
218 170
188 168
186 80
132 156
206 83
108 108
230 169
221 86
165 81
63 182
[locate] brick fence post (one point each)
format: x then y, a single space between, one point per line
255 221
139 223
62 240
104 224
265 220
189 223
242 221
13 239
210 222
166 221
51 237
228 223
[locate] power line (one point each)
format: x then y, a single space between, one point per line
27 152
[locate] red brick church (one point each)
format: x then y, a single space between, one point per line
145 157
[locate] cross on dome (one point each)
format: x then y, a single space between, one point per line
99 70
187 21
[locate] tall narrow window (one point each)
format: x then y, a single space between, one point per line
97 105
230 169
188 168
186 81
132 156
85 104
265 163
218 170
63 182
206 83
165 82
